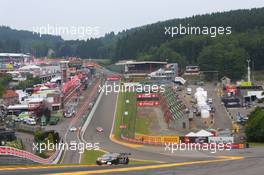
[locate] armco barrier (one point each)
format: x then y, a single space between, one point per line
9 151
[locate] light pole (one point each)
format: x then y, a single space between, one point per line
248 61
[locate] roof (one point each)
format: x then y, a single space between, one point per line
225 77
191 134
10 94
140 62
27 67
13 55
203 133
18 106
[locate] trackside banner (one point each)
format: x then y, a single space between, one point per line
157 139
218 140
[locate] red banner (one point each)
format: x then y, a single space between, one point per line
123 126
113 78
148 103
149 95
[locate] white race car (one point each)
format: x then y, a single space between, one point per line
73 129
99 129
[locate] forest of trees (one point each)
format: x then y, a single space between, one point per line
226 53
255 125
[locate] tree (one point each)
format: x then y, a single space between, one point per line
226 58
50 138
255 126
38 136
4 81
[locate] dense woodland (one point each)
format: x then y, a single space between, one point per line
226 53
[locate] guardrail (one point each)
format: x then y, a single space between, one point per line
10 151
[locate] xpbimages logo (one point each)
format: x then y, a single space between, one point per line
212 31
131 87
211 147
72 146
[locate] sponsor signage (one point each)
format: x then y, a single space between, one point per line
148 103
218 140
123 126
157 139
113 78
147 95
245 84
186 139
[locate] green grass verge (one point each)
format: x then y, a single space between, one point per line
130 119
90 156
258 75
256 144
142 125
16 144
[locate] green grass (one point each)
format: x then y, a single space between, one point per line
117 130
258 75
90 156
256 144
130 119
16 144
105 62
142 125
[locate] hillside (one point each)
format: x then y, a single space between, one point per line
12 40
225 53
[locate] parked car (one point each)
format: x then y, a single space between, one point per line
189 91
53 120
31 121
210 100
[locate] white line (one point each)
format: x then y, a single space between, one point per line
113 124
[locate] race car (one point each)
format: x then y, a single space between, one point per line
99 129
113 159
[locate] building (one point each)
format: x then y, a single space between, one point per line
9 61
225 81
140 68
10 97
64 70
192 70
167 73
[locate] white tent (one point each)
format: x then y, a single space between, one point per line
180 79
203 133
191 134
30 67
201 97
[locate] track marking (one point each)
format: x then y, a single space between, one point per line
147 167
130 145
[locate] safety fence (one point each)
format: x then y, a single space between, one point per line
10 151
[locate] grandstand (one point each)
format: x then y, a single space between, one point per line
140 68
174 110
